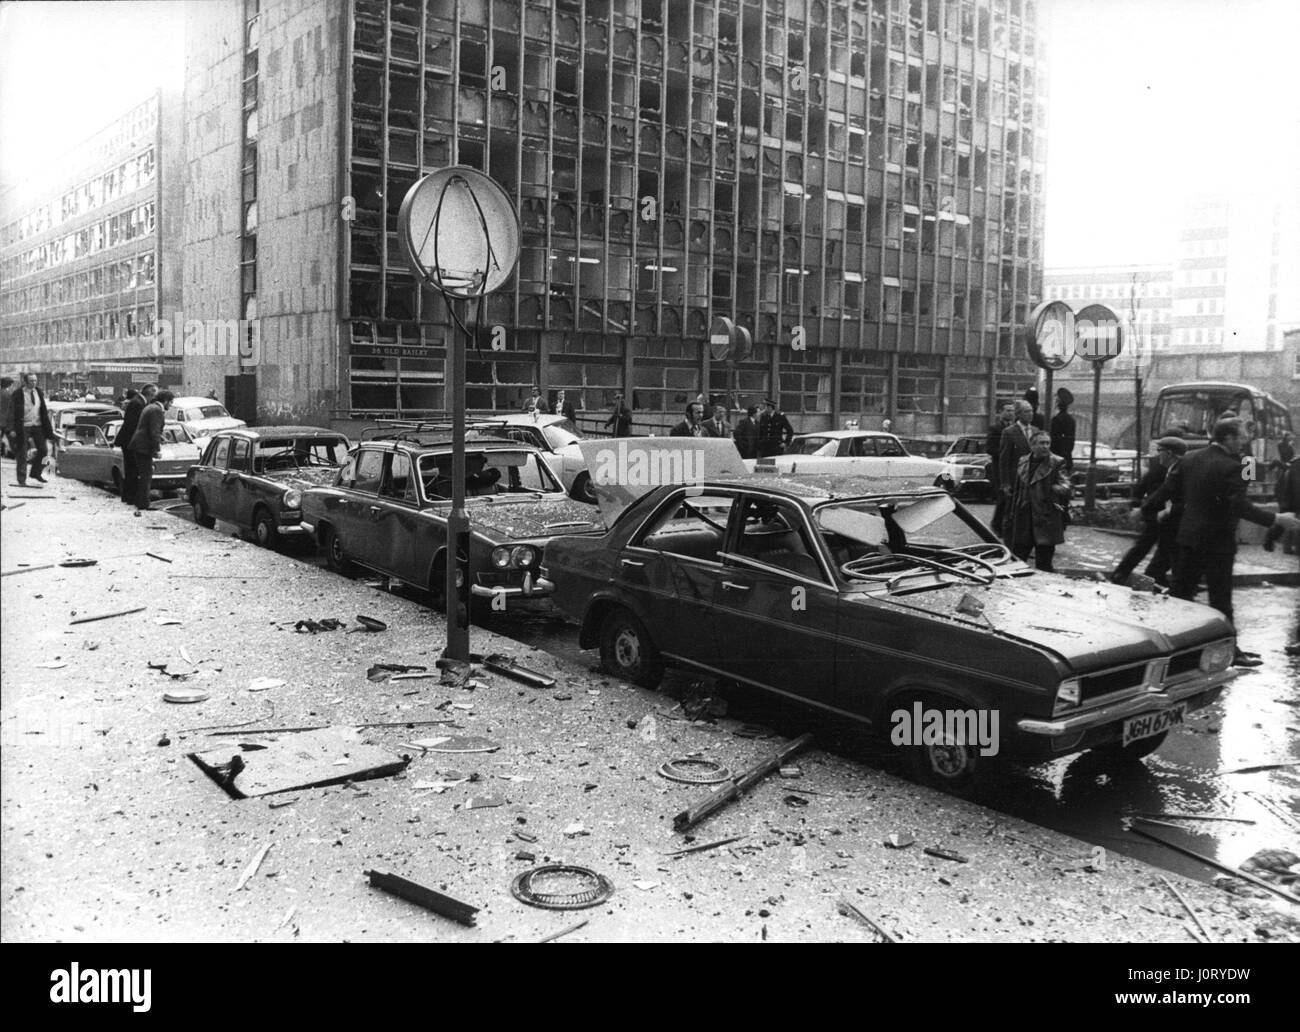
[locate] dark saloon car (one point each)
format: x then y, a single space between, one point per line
881 606
254 477
387 510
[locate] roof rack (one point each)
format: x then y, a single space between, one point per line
412 430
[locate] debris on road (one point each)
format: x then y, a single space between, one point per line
739 785
511 668
184 695
53 664
945 854
1192 817
705 846
312 759
899 840
1257 769
459 744
252 867
430 899
561 887
694 770
1186 906
108 616
160 558
370 624
262 684
1216 864
486 802
383 671
849 910
564 931
313 626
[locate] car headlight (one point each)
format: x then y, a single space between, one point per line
501 558
1069 694
292 499
1217 657
524 556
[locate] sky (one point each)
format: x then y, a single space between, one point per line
1149 100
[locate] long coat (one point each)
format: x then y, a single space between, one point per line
1210 486
1039 499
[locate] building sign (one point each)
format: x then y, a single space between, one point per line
1049 335
393 350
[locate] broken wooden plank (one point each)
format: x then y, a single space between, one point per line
1187 906
852 911
108 616
155 555
1209 861
564 931
253 865
1192 817
706 846
430 899
312 759
739 785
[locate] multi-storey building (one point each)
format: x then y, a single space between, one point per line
83 271
1141 296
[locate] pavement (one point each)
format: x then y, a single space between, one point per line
111 833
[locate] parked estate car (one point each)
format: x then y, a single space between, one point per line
555 437
859 453
254 477
868 604
88 454
387 511
202 416
969 465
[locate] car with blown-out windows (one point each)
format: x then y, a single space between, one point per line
254 477
867 604
387 509
89 454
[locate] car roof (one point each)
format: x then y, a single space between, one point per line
431 444
196 400
840 435
812 489
280 431
81 406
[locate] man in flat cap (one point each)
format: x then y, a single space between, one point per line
1159 528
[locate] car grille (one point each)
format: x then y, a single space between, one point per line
1110 681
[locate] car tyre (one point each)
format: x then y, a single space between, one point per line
583 489
335 558
947 766
1134 751
627 650
264 530
200 509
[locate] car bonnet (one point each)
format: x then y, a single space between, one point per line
543 518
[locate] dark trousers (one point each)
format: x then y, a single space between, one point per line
144 479
130 475
1149 536
1191 565
35 436
999 513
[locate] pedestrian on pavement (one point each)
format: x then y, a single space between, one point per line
7 412
1063 428
718 426
992 447
693 425
1039 503
565 408
535 404
620 419
1036 419
746 434
1286 492
1159 528
1013 445
1285 451
1210 484
31 426
774 431
146 443
130 423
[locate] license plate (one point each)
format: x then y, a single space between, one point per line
1150 724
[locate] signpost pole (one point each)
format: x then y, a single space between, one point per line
456 589
1090 491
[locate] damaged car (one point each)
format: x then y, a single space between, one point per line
387 511
869 605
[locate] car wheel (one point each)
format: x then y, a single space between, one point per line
264 532
335 558
947 483
200 509
1134 751
627 651
583 489
949 766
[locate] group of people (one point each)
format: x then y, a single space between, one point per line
29 429
756 434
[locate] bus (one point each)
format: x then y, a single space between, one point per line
1190 410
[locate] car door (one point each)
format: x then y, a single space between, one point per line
82 457
227 500
776 602
359 507
395 523
211 469
671 567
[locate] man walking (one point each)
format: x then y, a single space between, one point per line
146 443
746 435
31 423
1041 495
1211 486
1158 528
130 423
993 446
774 431
620 419
1013 445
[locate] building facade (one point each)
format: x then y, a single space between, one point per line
1141 296
83 269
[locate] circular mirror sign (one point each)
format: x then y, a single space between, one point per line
1098 334
1049 335
460 232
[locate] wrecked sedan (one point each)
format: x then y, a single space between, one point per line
254 477
387 511
89 454
881 607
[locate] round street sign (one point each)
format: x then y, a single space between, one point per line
1049 335
727 340
1098 334
460 232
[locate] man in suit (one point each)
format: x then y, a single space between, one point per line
1013 446
130 423
774 431
1063 428
31 424
565 408
693 425
146 443
718 425
993 447
1210 484
620 419
1158 528
746 435
1037 511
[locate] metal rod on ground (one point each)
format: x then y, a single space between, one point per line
106 616
1225 868
739 786
855 912
564 931
1186 906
